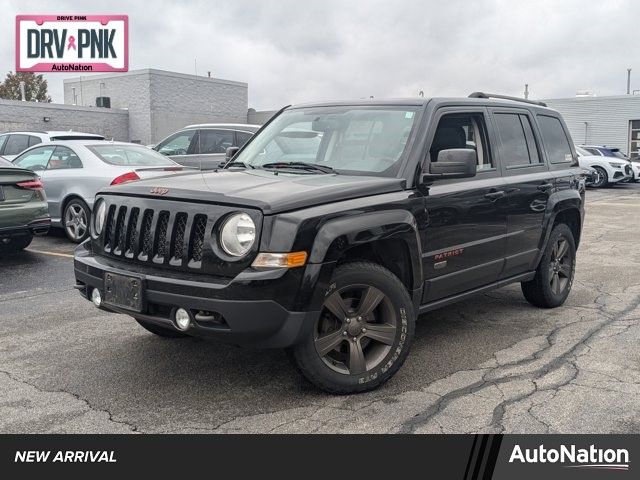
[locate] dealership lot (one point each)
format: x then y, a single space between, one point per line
489 364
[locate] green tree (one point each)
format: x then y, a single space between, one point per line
35 87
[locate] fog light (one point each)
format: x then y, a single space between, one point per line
96 297
182 318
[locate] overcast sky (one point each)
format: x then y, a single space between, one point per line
294 51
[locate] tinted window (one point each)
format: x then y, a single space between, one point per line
16 144
214 141
242 138
33 140
134 155
594 151
555 140
514 148
64 158
463 131
3 139
36 159
176 144
532 145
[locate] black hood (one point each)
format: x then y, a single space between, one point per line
263 189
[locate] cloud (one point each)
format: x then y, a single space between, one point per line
293 51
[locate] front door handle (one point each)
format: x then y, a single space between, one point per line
495 195
545 186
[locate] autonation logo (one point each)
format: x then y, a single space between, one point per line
574 457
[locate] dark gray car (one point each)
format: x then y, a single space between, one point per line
204 146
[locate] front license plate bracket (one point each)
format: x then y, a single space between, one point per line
123 291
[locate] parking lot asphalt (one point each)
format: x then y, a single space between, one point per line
490 364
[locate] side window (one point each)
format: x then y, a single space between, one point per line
215 141
64 158
555 139
16 144
33 140
517 142
36 159
463 130
176 144
3 139
242 138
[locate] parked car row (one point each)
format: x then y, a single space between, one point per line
51 178
608 166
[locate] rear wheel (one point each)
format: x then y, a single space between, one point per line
363 334
554 275
75 220
15 244
602 178
160 331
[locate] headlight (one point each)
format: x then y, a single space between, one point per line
238 234
99 216
615 165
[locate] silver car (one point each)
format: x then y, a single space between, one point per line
204 146
73 171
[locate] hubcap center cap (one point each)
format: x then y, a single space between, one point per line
354 327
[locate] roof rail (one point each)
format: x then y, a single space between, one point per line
505 97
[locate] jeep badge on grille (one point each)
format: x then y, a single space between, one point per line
159 191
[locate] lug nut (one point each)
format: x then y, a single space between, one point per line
364 330
344 333
348 320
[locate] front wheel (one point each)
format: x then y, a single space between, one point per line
601 178
363 334
554 275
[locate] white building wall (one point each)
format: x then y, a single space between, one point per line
607 118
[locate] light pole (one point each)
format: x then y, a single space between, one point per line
628 81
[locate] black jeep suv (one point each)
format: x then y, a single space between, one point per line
337 224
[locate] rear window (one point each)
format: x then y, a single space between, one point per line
555 140
130 155
16 144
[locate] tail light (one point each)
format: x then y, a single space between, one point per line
31 185
125 177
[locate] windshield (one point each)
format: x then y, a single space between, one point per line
357 140
125 155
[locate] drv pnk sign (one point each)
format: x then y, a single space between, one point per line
72 43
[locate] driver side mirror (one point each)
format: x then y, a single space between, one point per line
230 152
453 163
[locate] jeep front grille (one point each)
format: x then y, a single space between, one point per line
157 237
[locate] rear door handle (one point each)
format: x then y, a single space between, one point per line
495 195
545 186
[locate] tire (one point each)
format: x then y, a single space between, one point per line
16 243
554 276
602 179
373 306
160 331
75 220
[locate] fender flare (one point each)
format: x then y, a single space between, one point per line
337 236
559 202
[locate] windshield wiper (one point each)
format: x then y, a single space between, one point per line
240 164
301 166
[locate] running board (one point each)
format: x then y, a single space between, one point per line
427 307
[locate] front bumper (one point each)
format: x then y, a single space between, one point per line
247 309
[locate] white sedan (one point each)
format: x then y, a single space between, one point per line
609 170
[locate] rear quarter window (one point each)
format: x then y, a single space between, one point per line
555 140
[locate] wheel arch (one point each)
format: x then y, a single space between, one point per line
389 238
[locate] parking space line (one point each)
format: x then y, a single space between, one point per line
55 254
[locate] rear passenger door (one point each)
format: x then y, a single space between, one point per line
211 147
464 243
64 172
529 185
